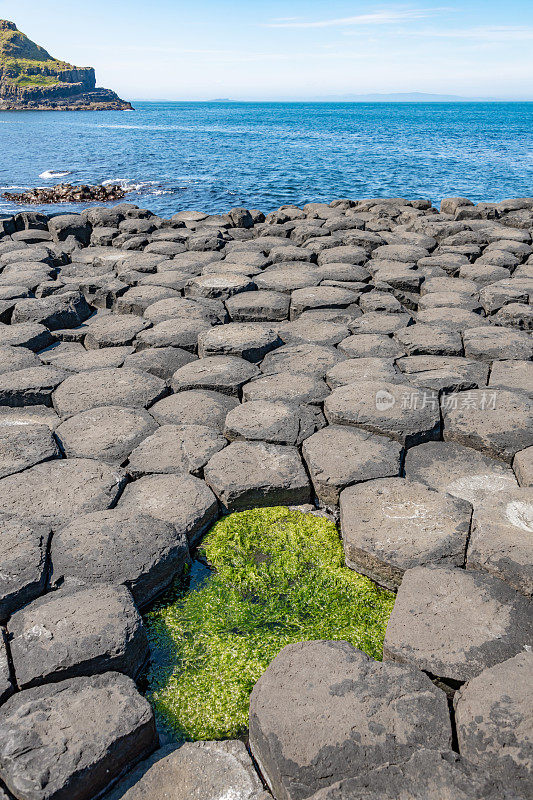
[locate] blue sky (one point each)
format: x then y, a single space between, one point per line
296 49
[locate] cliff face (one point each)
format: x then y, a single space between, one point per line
30 78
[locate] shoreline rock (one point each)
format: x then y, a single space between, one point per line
67 193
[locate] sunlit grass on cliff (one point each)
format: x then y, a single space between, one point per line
279 578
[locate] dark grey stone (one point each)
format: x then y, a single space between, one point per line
59 490
428 775
225 374
514 375
176 449
495 421
376 323
181 500
159 361
199 770
275 422
108 434
398 410
458 470
30 386
501 542
493 715
195 407
107 387
287 387
250 474
174 333
444 373
324 711
490 343
51 751
393 524
433 340
307 359
6 684
248 340
454 623
218 285
137 299
523 466
66 310
371 345
121 546
113 330
338 456
77 631
73 357
15 358
354 370
259 306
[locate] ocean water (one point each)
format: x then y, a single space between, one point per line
212 156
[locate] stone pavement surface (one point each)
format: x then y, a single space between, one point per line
372 358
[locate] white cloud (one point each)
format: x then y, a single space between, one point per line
383 17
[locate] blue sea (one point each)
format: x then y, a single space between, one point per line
212 156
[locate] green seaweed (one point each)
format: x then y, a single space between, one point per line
279 577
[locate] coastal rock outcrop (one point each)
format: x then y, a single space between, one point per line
32 79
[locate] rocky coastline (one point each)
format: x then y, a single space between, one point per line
368 360
67 193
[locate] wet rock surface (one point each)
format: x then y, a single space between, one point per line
369 357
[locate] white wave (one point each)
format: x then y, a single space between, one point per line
142 187
54 173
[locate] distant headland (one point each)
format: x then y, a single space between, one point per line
33 80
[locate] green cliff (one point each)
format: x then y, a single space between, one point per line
32 79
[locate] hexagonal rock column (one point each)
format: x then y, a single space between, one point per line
398 410
57 491
458 470
494 421
109 433
250 474
182 500
120 547
224 374
248 340
493 714
428 775
279 423
392 524
199 770
77 631
324 711
70 740
502 542
340 455
107 387
454 623
175 449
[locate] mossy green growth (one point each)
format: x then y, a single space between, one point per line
279 577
